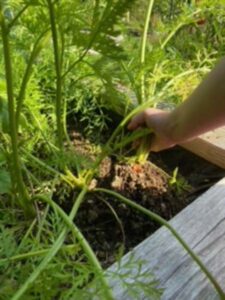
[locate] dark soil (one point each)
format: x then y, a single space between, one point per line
110 225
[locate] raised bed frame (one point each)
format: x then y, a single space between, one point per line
202 226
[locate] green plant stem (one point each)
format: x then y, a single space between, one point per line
33 254
95 17
38 46
41 223
108 148
21 244
131 78
55 248
163 222
178 27
51 146
52 252
121 125
19 14
59 80
114 213
143 150
16 173
131 138
83 242
143 48
69 179
42 164
72 66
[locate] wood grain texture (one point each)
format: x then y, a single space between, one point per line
202 225
210 146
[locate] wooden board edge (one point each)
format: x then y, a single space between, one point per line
214 196
206 150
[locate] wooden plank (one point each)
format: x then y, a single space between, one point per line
202 225
210 146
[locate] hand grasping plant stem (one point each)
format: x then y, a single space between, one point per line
204 110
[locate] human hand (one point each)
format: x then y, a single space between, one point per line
157 120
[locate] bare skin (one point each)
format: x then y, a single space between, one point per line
204 110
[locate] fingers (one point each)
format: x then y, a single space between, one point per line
146 118
136 121
155 119
142 120
159 144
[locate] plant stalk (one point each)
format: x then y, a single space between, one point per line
84 244
111 145
143 150
51 253
55 248
13 22
33 254
59 80
38 46
178 27
16 174
143 48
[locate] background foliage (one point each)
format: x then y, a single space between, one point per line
99 57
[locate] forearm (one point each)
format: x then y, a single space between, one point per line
204 110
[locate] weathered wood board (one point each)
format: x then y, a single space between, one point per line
202 225
210 146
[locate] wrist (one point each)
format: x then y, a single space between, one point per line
171 128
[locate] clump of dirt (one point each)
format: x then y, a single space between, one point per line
145 184
108 224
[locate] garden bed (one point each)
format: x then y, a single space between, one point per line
110 226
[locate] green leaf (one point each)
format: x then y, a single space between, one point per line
5 182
